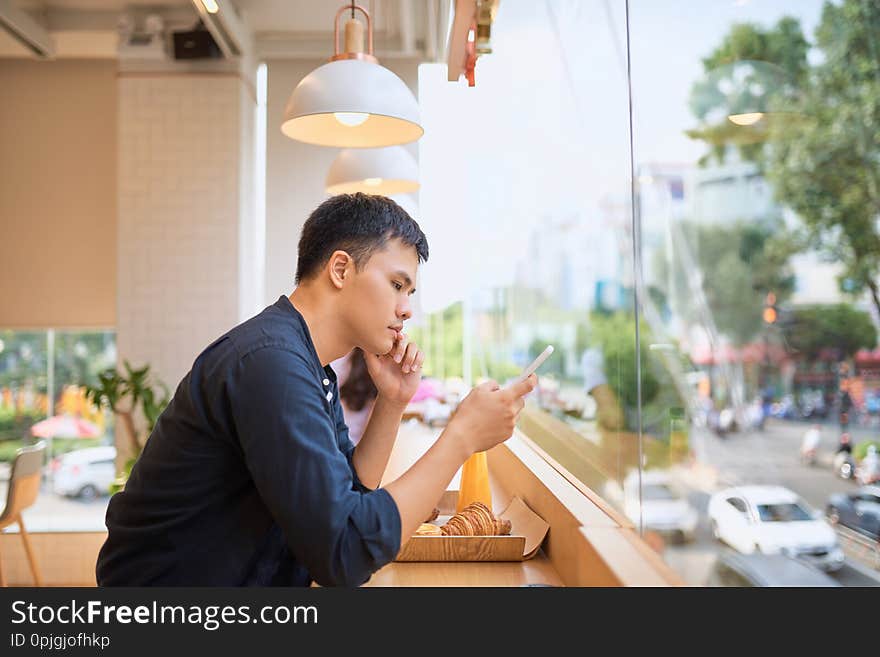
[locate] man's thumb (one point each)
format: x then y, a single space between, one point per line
523 387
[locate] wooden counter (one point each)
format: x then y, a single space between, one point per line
535 571
588 544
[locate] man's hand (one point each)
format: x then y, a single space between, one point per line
397 373
484 418
487 416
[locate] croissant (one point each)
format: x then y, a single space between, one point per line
427 529
476 519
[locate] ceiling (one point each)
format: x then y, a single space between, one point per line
281 28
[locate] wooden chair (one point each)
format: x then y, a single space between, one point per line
24 486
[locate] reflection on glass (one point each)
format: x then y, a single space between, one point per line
756 196
534 247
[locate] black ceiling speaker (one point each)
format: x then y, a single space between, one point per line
196 44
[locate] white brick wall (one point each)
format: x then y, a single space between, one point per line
182 201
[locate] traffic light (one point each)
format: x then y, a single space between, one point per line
770 312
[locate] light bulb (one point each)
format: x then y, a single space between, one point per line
210 6
372 182
749 118
351 119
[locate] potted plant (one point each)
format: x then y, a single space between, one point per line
130 395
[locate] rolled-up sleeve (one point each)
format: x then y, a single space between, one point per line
287 429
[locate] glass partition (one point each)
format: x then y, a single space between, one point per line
756 184
683 199
526 202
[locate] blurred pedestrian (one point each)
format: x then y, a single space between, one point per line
609 413
810 444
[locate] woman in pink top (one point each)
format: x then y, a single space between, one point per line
357 392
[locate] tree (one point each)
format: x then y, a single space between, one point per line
810 329
81 356
615 334
78 358
444 351
753 69
23 358
739 265
827 167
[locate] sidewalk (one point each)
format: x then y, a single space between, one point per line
55 513
829 428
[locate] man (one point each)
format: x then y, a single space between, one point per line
249 477
810 443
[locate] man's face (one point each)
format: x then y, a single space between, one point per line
377 298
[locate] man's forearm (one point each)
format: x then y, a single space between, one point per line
372 452
418 489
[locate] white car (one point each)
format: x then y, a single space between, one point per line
664 509
773 520
84 473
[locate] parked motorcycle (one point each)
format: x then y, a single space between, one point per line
843 464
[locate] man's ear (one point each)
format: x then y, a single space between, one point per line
339 266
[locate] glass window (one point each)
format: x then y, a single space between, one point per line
757 272
700 257
782 513
738 504
43 375
534 248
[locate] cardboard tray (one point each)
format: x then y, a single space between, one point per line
527 532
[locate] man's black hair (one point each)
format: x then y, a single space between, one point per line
358 224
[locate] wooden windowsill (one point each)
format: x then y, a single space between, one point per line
588 544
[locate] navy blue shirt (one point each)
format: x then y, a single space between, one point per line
247 478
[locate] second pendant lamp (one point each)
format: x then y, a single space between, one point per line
352 101
384 171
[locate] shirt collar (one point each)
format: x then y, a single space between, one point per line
286 306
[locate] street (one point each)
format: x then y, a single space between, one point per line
768 457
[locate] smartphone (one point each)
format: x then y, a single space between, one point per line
535 364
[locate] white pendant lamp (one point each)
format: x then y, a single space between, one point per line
352 101
383 171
